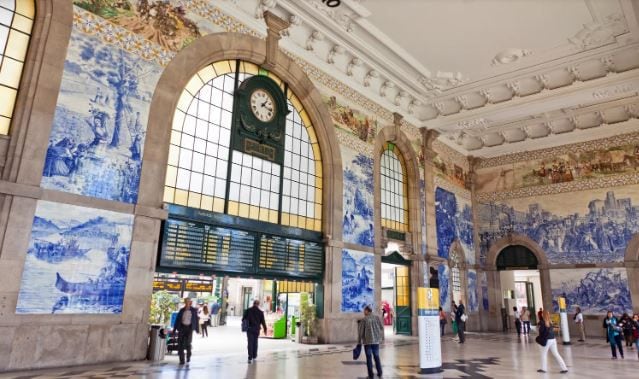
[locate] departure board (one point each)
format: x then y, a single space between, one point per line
196 245
201 246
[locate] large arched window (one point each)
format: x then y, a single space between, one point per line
204 172
394 188
16 21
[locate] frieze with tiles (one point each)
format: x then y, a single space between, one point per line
592 226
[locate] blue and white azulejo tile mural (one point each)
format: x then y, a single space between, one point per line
594 290
358 198
97 138
592 226
77 260
471 295
358 280
444 286
454 220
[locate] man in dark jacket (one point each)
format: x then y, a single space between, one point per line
255 318
185 323
461 321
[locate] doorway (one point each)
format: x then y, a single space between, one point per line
520 284
396 301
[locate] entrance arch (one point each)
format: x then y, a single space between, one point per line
514 244
516 256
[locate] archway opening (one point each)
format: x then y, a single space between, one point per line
520 288
396 299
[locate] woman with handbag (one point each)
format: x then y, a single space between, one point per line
635 331
614 331
546 339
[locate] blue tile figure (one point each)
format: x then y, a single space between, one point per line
596 291
444 280
454 220
473 302
96 142
77 261
358 198
598 235
484 291
358 280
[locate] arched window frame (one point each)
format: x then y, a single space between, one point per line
16 24
394 189
294 190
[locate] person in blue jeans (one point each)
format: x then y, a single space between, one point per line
371 334
614 331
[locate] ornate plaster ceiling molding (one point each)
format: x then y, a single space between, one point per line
263 6
599 33
372 74
354 63
315 37
542 126
510 56
617 61
441 81
386 86
335 51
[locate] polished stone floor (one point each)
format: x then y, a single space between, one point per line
482 356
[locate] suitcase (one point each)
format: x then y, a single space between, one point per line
172 342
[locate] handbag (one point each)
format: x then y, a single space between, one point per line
540 340
357 351
245 325
464 317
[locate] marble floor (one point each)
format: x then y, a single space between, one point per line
482 356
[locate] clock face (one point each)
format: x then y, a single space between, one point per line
262 105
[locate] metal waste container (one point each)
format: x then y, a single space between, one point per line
157 343
298 332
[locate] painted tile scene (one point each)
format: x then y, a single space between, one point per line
595 291
358 198
358 280
581 227
77 261
97 137
454 219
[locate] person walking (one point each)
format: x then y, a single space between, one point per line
460 319
626 325
204 316
453 312
613 330
635 331
547 333
517 321
540 316
255 318
186 323
215 313
525 320
371 334
579 320
442 320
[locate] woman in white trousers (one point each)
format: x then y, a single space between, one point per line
546 330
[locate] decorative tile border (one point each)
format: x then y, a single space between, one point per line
217 17
347 139
440 182
604 143
112 34
582 185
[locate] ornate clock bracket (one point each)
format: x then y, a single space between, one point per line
275 27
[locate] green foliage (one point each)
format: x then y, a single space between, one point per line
308 317
162 304
105 8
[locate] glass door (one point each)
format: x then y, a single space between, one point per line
402 300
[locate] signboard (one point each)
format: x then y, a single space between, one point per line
198 286
196 245
166 284
430 348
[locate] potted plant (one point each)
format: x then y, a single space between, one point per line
308 318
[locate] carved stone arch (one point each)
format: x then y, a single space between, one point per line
457 248
516 239
397 137
222 46
494 278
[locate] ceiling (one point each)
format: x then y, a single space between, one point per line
492 76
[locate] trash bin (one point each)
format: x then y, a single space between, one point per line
298 332
157 343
